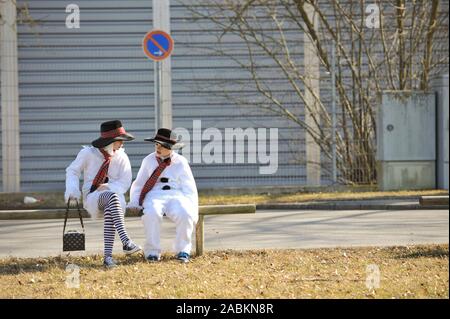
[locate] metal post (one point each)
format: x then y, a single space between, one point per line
163 77
333 110
158 106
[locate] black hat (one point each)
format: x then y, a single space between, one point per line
110 132
166 138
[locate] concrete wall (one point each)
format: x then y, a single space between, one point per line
406 151
9 98
440 85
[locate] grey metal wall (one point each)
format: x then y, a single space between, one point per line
73 79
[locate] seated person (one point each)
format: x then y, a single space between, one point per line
107 176
165 186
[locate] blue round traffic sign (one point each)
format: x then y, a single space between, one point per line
157 45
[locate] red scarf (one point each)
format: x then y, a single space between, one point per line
102 172
153 178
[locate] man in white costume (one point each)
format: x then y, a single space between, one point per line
165 186
107 176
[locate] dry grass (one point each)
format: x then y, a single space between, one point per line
311 197
406 272
56 199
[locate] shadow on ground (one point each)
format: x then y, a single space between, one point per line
423 252
15 266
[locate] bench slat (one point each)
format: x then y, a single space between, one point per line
433 200
227 209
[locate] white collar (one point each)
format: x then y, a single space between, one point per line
100 155
173 156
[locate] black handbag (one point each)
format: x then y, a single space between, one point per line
73 240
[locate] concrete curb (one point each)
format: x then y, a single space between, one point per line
58 213
39 214
356 206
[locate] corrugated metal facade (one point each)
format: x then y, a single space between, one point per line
73 79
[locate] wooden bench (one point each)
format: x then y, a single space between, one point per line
216 210
433 200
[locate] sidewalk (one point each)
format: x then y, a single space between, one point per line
405 203
286 229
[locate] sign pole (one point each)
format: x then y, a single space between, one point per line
163 108
158 95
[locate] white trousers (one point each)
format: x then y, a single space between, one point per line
178 209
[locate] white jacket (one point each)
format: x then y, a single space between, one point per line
88 161
179 174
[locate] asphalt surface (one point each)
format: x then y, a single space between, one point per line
265 229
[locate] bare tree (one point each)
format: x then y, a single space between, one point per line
23 14
402 50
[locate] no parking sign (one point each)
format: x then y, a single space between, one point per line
157 45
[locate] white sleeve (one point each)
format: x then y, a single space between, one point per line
189 188
73 173
139 183
121 185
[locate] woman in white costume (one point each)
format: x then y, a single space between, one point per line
165 186
107 176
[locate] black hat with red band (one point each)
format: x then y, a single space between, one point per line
111 132
166 138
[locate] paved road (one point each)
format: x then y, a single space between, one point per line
265 229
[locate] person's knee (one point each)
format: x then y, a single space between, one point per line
113 198
109 198
182 210
151 214
184 216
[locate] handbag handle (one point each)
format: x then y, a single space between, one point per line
67 215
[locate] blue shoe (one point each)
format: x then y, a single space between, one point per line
109 262
183 257
131 248
152 258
